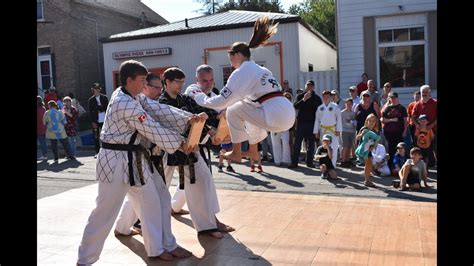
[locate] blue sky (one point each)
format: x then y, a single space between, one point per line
175 10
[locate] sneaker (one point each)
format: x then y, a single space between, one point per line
42 158
259 169
95 156
71 158
310 165
324 175
252 168
220 169
230 169
56 161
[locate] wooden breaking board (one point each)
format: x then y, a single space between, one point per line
195 134
222 129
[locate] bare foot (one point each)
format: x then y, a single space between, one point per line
217 235
223 227
181 212
166 256
134 232
180 252
230 155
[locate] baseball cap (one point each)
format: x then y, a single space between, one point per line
352 88
52 88
327 137
401 145
422 117
310 82
334 92
393 94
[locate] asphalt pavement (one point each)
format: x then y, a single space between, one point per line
68 174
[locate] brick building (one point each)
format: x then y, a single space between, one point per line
68 40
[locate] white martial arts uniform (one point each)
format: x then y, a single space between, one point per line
250 120
378 155
168 117
201 196
328 121
179 198
123 117
281 147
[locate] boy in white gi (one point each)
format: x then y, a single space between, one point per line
120 171
168 117
252 96
328 121
195 173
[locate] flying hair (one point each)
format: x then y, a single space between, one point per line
262 31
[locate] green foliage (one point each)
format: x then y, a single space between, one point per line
252 5
320 14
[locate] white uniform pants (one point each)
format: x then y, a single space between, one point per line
281 146
200 196
144 200
128 217
249 122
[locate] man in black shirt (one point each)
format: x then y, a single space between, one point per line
97 106
306 103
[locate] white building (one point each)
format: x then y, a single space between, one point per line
296 47
392 41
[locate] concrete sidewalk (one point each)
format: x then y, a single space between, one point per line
271 229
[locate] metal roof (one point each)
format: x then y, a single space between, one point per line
221 21
132 8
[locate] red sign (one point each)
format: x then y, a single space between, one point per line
142 53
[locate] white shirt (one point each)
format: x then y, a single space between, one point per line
101 117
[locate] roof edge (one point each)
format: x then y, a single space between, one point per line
194 30
317 33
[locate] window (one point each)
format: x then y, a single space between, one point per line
44 50
402 56
226 71
46 75
39 9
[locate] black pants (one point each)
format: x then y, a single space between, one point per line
304 130
392 140
97 136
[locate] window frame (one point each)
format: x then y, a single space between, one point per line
379 45
42 10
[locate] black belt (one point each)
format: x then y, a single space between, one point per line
157 161
130 148
268 96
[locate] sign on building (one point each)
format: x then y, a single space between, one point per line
142 53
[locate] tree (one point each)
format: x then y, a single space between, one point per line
320 14
250 5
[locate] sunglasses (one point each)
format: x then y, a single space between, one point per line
366 95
